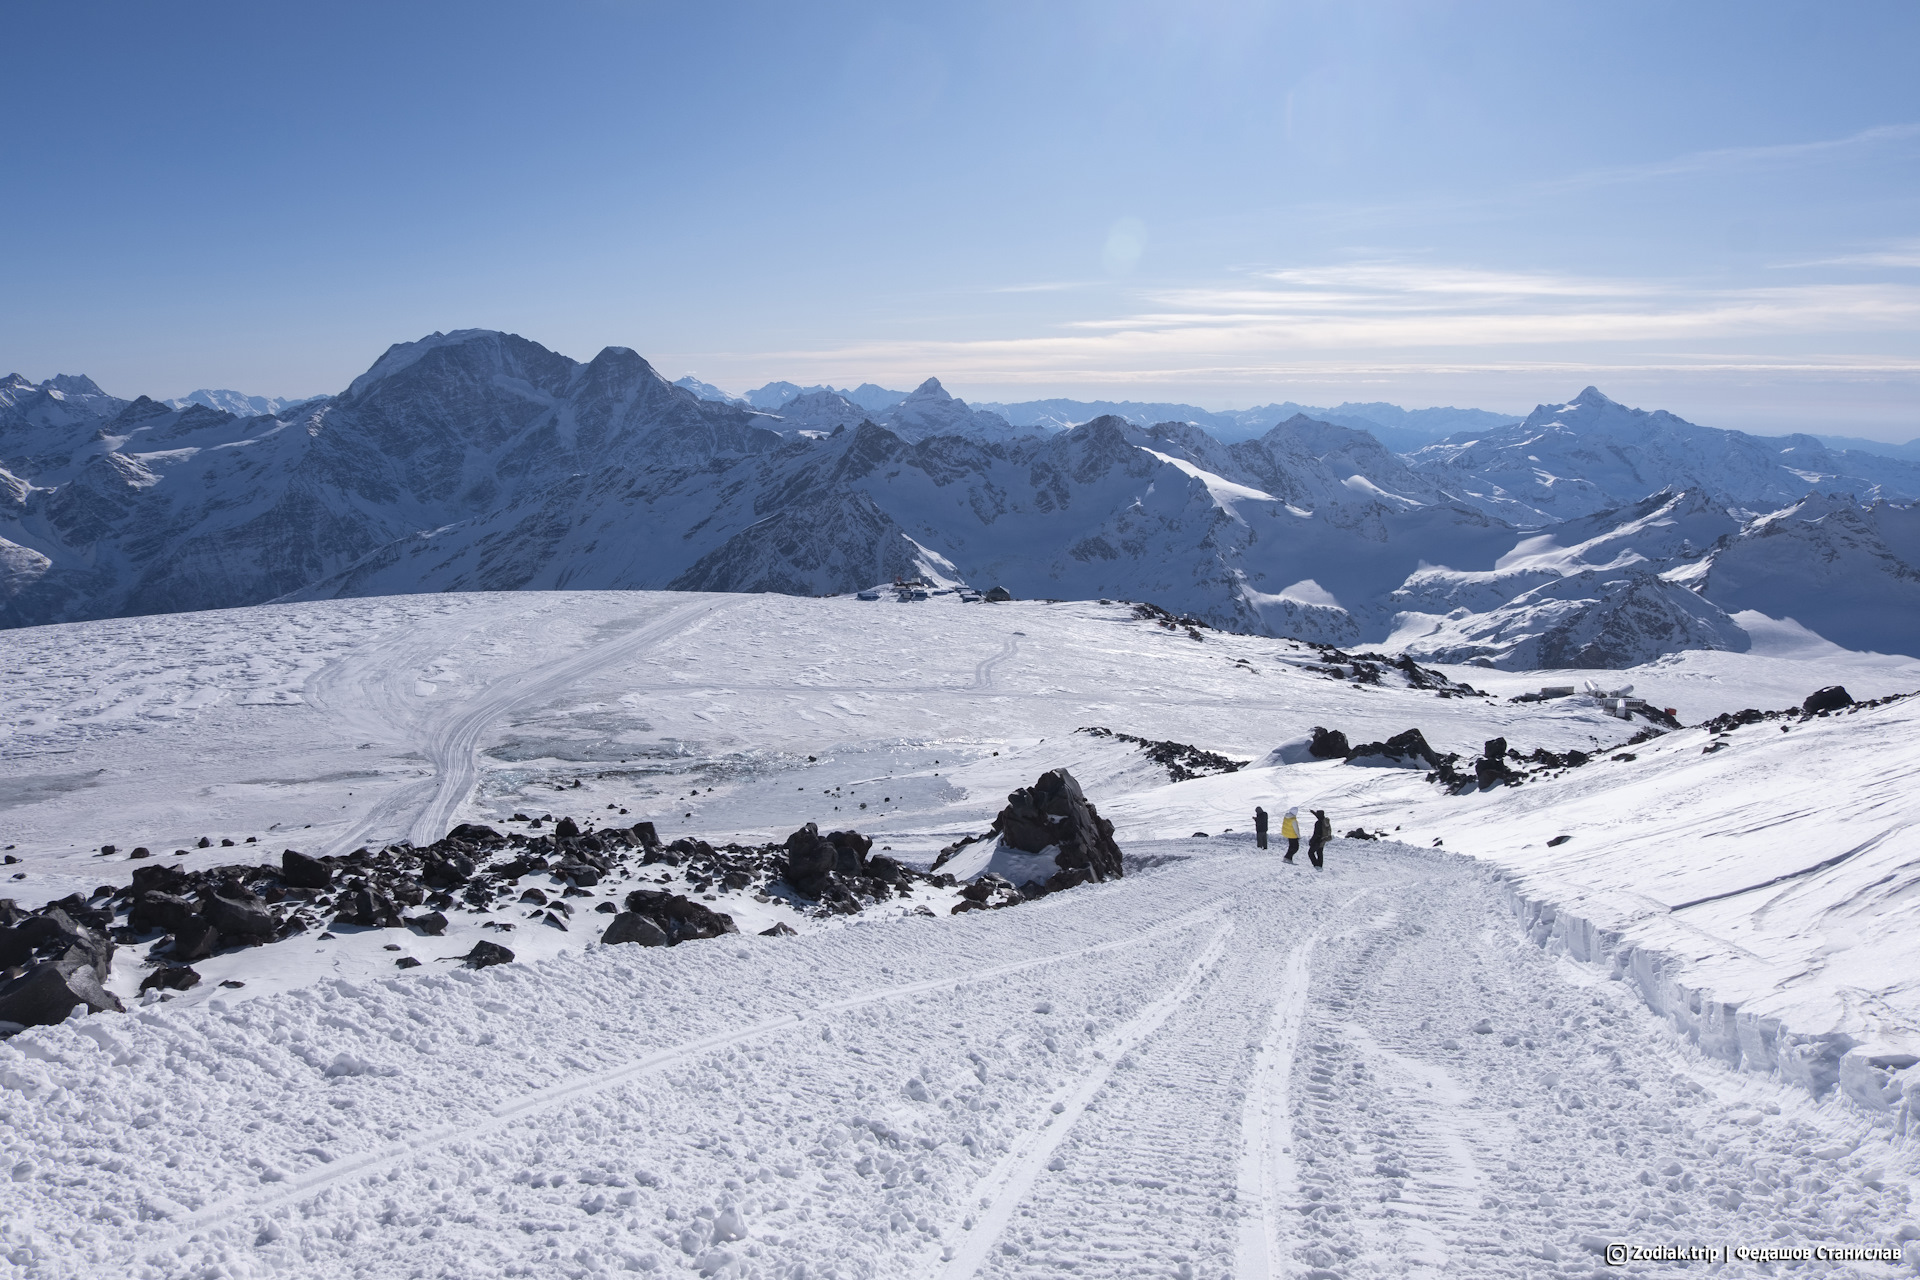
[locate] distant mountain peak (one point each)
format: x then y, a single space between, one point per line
930 390
73 384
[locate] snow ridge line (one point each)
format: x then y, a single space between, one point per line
1744 1041
503 1116
1012 1178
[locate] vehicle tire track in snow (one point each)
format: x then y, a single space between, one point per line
1268 1179
983 670
374 1162
452 748
1002 1190
372 691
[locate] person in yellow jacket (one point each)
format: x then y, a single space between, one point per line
1290 832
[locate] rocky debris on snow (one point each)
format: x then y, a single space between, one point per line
57 956
676 917
1821 703
1369 668
1181 760
1408 750
1172 622
988 893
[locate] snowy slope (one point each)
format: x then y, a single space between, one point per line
1147 1075
1854 571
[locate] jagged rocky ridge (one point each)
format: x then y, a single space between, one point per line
482 461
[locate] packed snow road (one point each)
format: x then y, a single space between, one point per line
1220 1066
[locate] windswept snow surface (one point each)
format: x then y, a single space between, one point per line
1220 1066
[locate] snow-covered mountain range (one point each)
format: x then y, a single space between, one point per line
238 403
1589 534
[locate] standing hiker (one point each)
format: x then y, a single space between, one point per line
1259 827
1290 831
1317 842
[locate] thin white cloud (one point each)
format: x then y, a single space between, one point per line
1723 158
1050 286
1402 316
1904 254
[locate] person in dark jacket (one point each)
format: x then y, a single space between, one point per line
1317 842
1259 827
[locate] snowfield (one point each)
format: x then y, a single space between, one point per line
1459 1049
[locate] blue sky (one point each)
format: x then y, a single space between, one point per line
1706 207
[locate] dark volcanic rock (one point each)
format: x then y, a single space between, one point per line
781 929
369 908
811 858
1408 750
170 977
487 953
1831 698
302 872
1328 744
1054 812
629 926
48 992
680 918
239 914
433 924
195 939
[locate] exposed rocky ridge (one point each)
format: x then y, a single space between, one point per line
1181 760
58 955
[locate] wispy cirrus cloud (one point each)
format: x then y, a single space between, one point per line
1406 314
1726 158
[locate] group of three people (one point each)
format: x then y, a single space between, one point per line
1290 832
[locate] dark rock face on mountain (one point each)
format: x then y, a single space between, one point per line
1055 813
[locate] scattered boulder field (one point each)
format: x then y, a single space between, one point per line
58 957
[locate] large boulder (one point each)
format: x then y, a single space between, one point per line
238 913
50 990
1831 698
630 926
680 918
1055 814
1328 744
302 872
53 932
811 860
